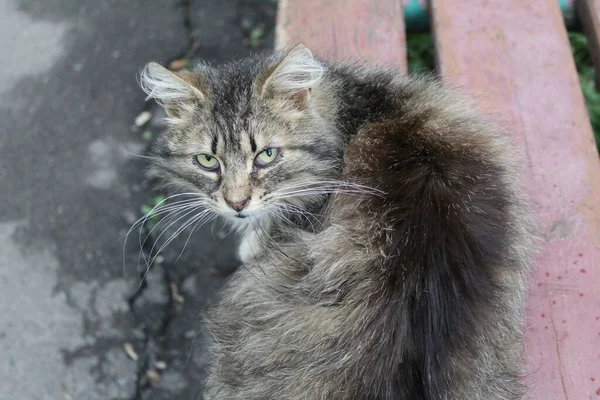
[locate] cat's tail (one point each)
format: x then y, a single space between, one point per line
443 247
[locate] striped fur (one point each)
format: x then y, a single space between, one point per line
395 267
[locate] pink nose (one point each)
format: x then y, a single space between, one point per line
237 205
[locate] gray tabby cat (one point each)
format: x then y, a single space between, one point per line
386 244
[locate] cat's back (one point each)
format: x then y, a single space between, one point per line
413 288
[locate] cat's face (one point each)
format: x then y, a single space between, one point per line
250 140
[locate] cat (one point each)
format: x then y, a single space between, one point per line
387 244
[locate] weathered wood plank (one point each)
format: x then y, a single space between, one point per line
340 29
515 57
589 14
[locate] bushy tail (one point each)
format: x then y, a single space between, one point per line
453 239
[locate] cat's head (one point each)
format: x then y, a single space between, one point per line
250 138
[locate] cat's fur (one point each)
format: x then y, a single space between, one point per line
410 290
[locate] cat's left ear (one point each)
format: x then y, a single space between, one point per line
177 92
292 78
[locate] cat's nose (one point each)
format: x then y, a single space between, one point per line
238 205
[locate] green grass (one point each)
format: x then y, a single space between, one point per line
585 70
419 51
420 60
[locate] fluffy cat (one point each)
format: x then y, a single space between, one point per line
387 244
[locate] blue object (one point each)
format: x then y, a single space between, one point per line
417 17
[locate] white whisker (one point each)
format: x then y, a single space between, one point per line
296 210
172 213
140 222
199 222
148 261
200 217
186 213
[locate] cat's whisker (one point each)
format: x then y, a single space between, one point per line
294 207
330 182
165 210
325 187
141 156
321 192
170 209
172 212
151 260
282 215
172 215
186 213
176 206
199 223
188 223
330 186
333 187
154 211
144 218
302 212
296 210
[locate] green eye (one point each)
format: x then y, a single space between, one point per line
266 157
207 162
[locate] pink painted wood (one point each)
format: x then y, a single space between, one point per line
369 29
515 58
589 14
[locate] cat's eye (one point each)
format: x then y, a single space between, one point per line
207 162
266 157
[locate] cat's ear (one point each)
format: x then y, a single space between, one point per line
177 92
292 78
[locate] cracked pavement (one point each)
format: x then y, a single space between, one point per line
72 186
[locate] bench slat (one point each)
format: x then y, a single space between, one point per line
515 58
369 29
589 14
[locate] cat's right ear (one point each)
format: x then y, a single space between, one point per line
177 92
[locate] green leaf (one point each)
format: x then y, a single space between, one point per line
147 136
256 36
158 199
146 209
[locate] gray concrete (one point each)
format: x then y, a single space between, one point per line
71 187
68 97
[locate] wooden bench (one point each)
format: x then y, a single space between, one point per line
514 57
